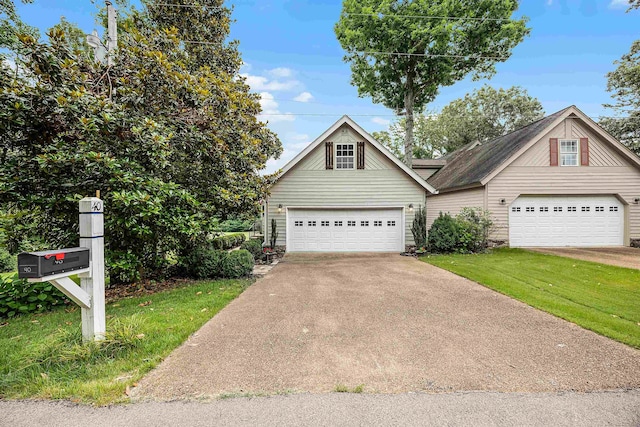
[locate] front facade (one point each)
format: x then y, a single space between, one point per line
570 184
561 181
345 193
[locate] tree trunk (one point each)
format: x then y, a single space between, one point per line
409 123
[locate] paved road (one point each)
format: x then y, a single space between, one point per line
391 324
619 256
464 409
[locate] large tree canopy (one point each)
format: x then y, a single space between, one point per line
624 85
484 114
402 52
169 135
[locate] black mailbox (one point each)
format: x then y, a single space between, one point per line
49 263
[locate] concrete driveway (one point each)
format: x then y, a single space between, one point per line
390 323
620 255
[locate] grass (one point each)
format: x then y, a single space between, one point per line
602 298
41 356
341 388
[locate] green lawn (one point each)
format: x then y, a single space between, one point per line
41 356
602 298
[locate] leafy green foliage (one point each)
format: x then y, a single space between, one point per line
624 84
233 225
273 237
228 241
8 262
485 114
238 264
419 227
443 234
438 51
467 232
254 247
169 135
17 296
204 262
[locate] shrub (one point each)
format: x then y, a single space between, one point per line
17 296
467 232
254 247
238 264
204 262
228 241
274 233
8 262
232 225
443 234
419 228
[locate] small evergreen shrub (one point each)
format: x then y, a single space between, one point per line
443 234
233 225
204 262
228 241
17 296
8 262
238 264
273 238
254 246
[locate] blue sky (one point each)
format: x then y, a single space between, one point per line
294 60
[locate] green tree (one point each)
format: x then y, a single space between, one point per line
484 114
402 53
169 135
624 85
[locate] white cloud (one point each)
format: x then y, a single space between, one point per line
280 72
619 4
380 121
303 97
260 83
270 111
298 137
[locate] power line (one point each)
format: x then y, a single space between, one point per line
434 55
450 18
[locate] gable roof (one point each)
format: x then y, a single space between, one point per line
347 120
474 165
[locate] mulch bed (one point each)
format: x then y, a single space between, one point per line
147 287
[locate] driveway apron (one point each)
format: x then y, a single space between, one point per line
391 324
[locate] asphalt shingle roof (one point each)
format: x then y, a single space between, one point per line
467 167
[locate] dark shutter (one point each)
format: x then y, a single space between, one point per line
329 155
361 155
584 151
553 151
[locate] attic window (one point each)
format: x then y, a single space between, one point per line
569 152
345 156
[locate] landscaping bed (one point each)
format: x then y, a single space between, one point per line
598 297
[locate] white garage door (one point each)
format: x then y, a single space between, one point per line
566 221
345 230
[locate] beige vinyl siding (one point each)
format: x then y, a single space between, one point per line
530 174
453 203
309 184
426 173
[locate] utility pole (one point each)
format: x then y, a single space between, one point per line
112 32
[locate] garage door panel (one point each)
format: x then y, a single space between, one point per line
566 221
338 230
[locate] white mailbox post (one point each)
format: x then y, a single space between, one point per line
56 267
92 237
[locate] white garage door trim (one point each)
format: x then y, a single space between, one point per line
399 212
553 220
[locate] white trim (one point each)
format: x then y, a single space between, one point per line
368 138
621 148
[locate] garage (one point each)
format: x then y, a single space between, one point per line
566 221
345 230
